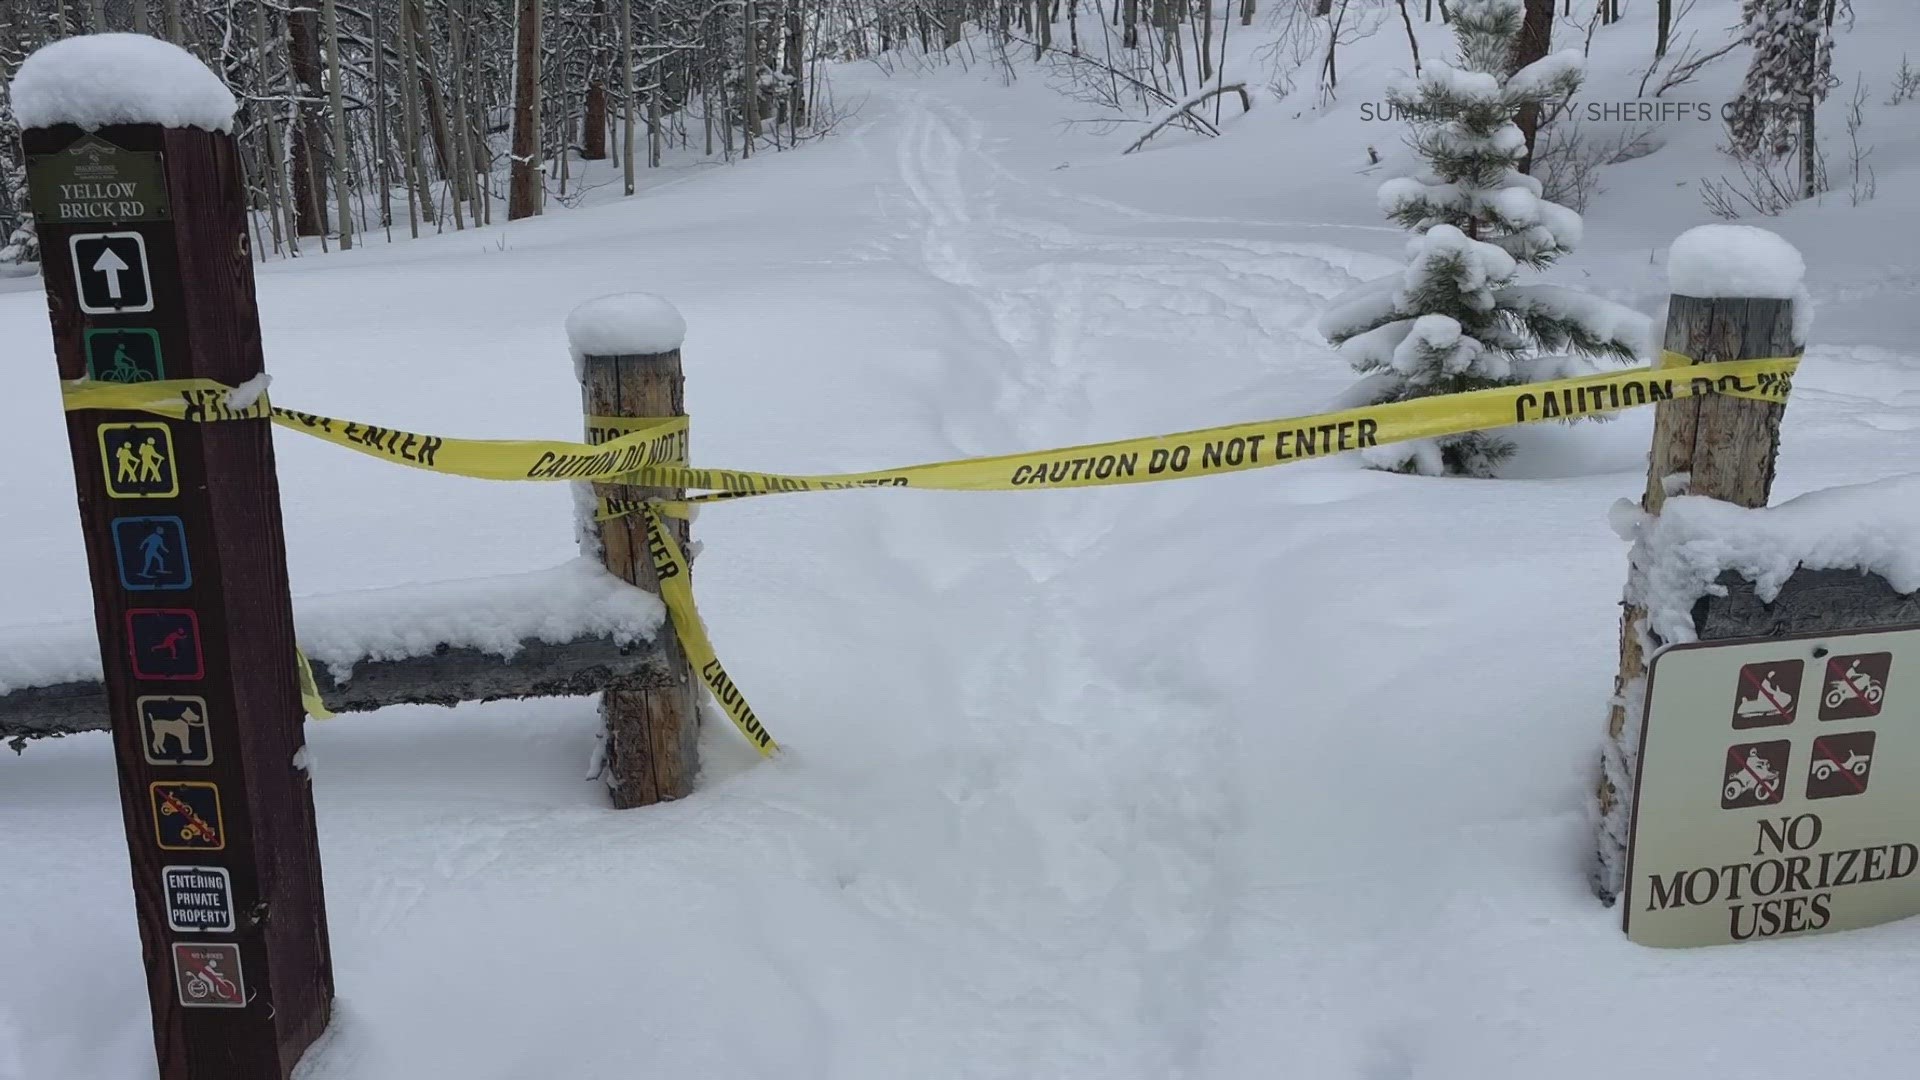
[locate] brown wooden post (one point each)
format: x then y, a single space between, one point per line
1714 445
148 277
628 353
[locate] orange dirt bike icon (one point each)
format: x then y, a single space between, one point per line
1856 764
1758 777
1855 684
194 828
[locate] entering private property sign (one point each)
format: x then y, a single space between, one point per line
1779 789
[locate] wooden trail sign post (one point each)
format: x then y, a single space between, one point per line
628 350
1712 445
148 277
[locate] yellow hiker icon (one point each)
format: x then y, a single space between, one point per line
138 460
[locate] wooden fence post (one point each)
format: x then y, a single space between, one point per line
148 277
627 352
1714 445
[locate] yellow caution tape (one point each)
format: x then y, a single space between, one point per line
651 452
644 455
310 690
676 590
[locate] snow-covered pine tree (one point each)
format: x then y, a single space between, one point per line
1455 321
1787 79
18 241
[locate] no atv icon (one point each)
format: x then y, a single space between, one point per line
1755 775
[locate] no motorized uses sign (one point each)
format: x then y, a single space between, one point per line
1795 812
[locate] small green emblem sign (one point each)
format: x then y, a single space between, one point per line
124 355
94 180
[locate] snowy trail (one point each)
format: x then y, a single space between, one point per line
1273 774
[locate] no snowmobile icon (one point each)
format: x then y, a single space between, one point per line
1767 694
1854 686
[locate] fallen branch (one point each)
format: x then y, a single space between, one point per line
1184 109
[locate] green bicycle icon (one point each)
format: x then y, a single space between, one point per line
124 370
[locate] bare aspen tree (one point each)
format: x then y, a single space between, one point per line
523 200
1534 43
326 133
419 203
303 64
750 79
337 110
654 133
280 202
473 124
626 94
382 163
1413 42
1203 44
795 68
593 124
432 91
463 162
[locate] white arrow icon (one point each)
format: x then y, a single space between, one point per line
117 260
111 265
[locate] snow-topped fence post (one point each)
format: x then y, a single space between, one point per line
1737 294
137 191
626 350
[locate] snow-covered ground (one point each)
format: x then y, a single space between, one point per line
1269 775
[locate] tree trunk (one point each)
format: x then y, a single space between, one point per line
463 161
303 62
796 66
1809 154
523 199
1666 30
750 79
384 174
280 198
656 135
593 121
1534 43
627 104
337 114
420 197
430 89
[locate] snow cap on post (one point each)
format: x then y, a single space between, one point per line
1735 261
624 324
101 79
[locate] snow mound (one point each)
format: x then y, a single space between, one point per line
102 79
575 599
1735 261
1680 554
494 615
624 324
